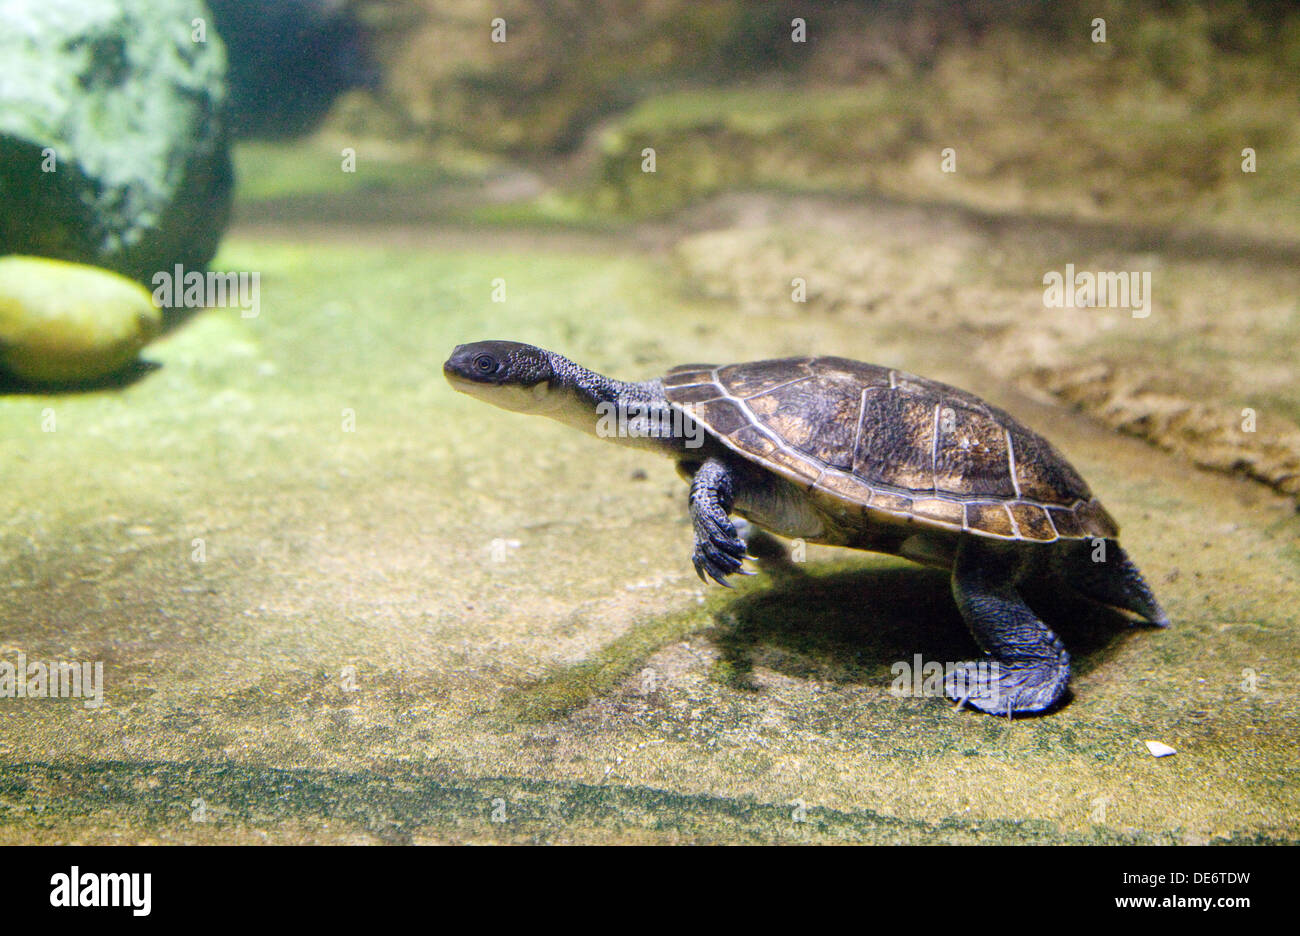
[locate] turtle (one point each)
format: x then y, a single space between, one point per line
834 451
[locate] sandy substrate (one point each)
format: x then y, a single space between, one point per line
417 619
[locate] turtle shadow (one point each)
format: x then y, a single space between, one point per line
132 373
850 627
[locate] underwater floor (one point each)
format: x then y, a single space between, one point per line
337 601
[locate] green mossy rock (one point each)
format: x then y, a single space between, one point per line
66 323
112 145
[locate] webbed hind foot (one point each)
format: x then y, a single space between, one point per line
999 689
1027 669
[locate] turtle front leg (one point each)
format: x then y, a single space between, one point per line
719 551
1028 668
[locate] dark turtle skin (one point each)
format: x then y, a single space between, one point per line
838 452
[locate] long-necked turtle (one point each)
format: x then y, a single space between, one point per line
839 452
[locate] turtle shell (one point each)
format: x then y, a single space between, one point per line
899 445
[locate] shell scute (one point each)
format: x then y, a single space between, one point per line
1032 522
949 513
816 417
971 453
848 487
1066 522
1095 520
992 519
723 416
889 443
888 500
1041 473
748 380
697 393
895 441
688 375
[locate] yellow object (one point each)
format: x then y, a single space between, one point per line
62 322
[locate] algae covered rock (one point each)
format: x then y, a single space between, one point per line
112 149
65 322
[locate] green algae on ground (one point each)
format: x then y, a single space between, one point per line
389 570
208 802
572 687
271 171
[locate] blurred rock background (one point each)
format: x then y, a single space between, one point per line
1146 126
113 150
1129 153
1125 134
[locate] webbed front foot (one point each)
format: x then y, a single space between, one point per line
719 550
718 556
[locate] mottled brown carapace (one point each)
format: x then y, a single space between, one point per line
894 445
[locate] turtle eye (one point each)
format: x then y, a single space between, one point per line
485 364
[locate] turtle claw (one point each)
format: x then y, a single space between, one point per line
717 567
707 571
718 555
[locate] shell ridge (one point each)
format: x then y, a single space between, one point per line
934 447
1011 462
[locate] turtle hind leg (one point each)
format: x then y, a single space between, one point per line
1102 571
1028 668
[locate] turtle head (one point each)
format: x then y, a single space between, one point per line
507 374
527 379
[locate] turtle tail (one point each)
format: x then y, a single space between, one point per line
1101 570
